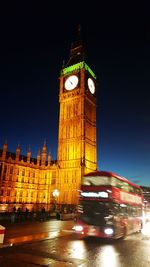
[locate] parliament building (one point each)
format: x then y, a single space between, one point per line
27 182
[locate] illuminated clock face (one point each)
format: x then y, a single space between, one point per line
71 82
91 85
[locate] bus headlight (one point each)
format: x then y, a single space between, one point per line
78 228
108 231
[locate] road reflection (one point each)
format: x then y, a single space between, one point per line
101 253
146 229
78 249
108 256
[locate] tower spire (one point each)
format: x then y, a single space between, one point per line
77 51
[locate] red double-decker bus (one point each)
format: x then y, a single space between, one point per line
110 206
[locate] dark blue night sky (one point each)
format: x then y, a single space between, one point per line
36 38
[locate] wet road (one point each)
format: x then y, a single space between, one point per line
66 250
33 231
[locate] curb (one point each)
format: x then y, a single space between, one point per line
5 245
34 238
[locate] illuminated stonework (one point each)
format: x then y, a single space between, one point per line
26 181
77 153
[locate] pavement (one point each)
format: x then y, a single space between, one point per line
28 232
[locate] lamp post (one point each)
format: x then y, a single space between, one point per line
55 195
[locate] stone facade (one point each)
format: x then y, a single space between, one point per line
27 182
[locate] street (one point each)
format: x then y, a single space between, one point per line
62 248
33 231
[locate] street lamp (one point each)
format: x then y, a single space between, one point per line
55 195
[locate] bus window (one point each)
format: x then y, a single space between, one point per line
116 208
123 210
103 180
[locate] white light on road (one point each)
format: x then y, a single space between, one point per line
146 229
107 257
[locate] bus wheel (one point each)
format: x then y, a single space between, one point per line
141 227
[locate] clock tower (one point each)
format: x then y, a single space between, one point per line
77 153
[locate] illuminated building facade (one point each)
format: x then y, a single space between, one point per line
31 182
26 182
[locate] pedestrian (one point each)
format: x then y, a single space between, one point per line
43 214
12 217
57 215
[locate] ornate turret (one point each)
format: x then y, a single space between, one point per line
28 155
49 159
17 152
43 163
38 158
4 151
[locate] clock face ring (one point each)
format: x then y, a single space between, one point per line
91 85
71 82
